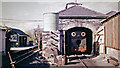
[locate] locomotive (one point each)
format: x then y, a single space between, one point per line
78 41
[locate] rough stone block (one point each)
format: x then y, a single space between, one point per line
113 62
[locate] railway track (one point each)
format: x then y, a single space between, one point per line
82 61
20 56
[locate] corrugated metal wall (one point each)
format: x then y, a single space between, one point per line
112 32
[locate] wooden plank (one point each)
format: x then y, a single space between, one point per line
99 31
112 33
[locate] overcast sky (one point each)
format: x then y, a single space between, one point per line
11 9
59 0
35 10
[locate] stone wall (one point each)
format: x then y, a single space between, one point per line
51 47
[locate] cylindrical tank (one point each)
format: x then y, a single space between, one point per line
51 21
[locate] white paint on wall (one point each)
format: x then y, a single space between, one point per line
101 39
112 52
101 48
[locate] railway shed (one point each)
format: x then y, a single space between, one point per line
82 17
58 28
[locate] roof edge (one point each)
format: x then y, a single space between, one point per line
84 8
65 9
82 16
110 17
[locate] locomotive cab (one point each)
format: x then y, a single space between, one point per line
78 41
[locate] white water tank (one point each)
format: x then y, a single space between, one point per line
51 21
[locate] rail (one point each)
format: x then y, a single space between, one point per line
83 63
88 63
23 56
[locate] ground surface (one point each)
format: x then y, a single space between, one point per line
80 61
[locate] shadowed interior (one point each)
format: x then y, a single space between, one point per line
69 40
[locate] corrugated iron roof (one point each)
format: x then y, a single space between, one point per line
111 13
80 12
